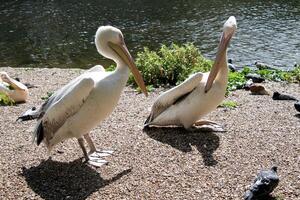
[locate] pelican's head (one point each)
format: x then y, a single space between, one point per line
229 29
110 43
106 35
4 77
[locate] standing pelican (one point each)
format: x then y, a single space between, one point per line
185 104
78 107
13 88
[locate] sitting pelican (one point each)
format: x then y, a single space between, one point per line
79 106
13 88
185 104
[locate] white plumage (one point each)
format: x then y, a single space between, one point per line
185 104
78 107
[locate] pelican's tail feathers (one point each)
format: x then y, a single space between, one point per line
148 121
39 133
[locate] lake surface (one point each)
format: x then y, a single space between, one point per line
61 33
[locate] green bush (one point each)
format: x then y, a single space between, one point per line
47 96
170 65
292 76
236 80
295 75
229 104
5 100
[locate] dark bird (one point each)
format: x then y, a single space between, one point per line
255 78
265 182
278 96
261 65
231 66
297 106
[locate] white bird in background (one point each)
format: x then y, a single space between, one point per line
185 104
14 89
78 107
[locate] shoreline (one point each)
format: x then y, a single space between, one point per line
168 163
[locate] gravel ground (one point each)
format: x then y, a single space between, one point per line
168 163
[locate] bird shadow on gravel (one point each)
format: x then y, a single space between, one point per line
61 180
271 198
297 115
205 141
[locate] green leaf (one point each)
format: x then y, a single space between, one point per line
47 96
229 104
170 65
5 100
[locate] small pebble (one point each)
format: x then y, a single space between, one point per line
60 151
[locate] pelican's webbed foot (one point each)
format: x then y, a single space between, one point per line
95 158
103 153
208 126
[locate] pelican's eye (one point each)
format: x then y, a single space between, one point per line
265 181
121 39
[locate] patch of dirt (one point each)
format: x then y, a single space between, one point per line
166 163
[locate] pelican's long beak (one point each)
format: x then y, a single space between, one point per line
216 66
123 52
225 39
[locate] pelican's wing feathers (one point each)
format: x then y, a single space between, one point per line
170 97
63 105
62 91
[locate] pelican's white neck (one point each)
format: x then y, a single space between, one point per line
122 67
121 73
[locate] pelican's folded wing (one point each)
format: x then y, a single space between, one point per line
60 93
168 98
97 70
71 101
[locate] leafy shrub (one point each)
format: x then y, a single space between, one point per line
47 96
110 68
274 75
279 75
236 80
229 104
5 100
170 65
295 75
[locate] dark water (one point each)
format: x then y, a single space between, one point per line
61 33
